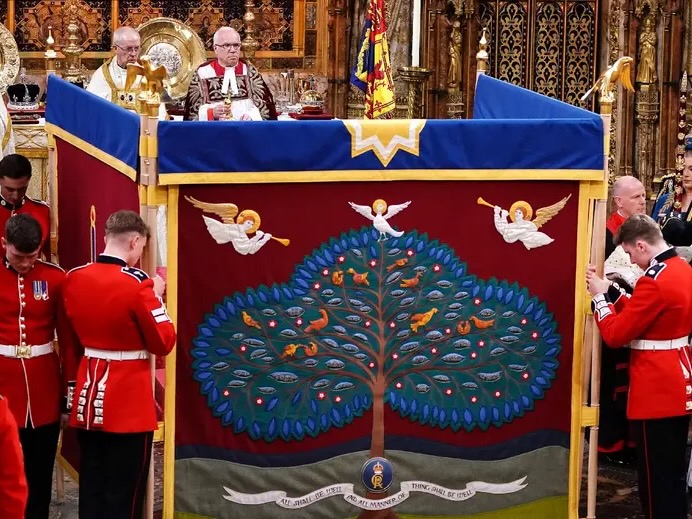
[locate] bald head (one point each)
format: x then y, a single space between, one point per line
225 31
126 42
629 196
227 46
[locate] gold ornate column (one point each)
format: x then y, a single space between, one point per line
337 58
614 52
646 109
415 79
647 102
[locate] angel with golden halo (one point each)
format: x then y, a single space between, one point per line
235 226
520 227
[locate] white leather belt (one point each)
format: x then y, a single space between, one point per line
671 344
93 353
26 351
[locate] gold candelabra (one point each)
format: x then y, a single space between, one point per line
250 44
415 78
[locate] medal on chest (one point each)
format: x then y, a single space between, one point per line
40 290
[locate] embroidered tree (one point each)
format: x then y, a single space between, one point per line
363 324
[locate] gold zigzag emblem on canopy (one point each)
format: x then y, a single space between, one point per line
385 137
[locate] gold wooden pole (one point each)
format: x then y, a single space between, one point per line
148 176
597 258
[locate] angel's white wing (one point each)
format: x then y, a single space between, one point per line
362 209
219 231
396 209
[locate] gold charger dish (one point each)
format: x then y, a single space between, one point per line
173 44
9 59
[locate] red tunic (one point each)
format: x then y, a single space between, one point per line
28 311
13 488
110 306
36 208
659 309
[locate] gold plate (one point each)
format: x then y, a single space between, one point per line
9 59
173 44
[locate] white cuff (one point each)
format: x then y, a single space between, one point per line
601 307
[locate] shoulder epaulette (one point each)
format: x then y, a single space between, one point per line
654 270
136 273
50 264
37 201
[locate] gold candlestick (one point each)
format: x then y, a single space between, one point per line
482 56
73 50
415 78
250 44
50 55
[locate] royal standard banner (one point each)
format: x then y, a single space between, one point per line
379 319
372 72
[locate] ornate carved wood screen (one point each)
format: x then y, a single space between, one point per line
288 31
546 46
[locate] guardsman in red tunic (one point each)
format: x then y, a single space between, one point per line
15 174
615 444
657 321
13 491
30 291
117 320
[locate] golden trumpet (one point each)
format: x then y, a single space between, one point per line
480 201
283 241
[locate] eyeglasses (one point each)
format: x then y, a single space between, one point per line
128 50
229 46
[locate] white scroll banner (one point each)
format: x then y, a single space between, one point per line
346 490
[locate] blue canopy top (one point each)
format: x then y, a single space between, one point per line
110 133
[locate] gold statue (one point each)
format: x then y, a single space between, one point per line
620 70
454 75
646 71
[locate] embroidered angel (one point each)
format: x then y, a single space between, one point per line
235 231
520 227
380 214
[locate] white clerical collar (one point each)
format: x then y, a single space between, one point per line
118 72
229 80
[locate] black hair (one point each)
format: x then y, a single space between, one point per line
15 166
23 232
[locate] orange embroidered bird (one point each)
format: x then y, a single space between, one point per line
310 350
359 279
420 320
463 327
412 282
318 324
482 324
397 264
338 278
250 321
290 350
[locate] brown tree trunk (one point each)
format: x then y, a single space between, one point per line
377 447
